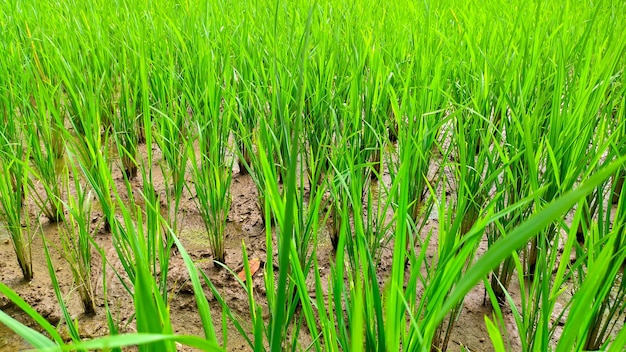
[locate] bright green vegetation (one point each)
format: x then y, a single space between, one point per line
498 118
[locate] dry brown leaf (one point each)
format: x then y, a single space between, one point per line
255 264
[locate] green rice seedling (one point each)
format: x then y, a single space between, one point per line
423 135
158 241
349 131
253 124
539 317
364 88
454 255
14 154
244 129
171 134
282 118
595 227
12 191
519 128
377 217
145 206
308 222
72 325
594 141
125 130
499 142
77 239
82 58
570 156
396 93
357 127
283 210
419 107
137 110
248 78
42 128
318 129
284 203
347 162
297 222
13 185
89 133
41 118
345 311
212 170
251 86
311 154
91 152
368 209
259 175
338 195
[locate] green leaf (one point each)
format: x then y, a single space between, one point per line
33 337
137 339
495 335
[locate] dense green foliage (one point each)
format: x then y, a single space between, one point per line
495 117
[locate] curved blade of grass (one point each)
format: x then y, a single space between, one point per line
33 337
494 334
255 308
71 325
299 279
522 234
136 339
226 309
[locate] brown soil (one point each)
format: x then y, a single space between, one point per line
244 224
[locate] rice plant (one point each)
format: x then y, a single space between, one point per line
212 169
44 121
13 185
171 134
125 127
77 240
